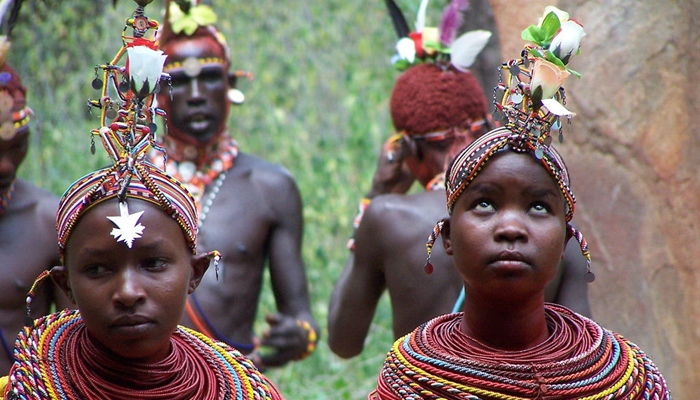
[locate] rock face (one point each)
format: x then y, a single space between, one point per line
633 152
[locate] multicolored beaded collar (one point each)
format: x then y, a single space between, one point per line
50 352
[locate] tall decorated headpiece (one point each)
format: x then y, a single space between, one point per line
127 133
436 93
532 104
14 112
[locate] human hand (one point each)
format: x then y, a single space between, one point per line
392 174
289 337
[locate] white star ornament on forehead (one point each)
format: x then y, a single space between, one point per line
128 227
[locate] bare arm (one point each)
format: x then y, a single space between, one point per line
293 330
357 292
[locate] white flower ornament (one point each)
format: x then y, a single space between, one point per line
145 69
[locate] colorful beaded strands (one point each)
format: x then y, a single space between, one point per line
532 106
579 360
127 133
58 360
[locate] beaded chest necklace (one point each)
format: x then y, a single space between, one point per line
5 198
198 168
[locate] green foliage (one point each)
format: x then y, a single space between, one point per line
543 35
318 105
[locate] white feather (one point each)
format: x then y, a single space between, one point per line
420 18
4 5
465 48
556 107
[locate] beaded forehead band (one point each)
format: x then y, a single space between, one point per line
127 133
532 106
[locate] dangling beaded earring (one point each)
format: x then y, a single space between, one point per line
28 320
214 258
429 246
590 276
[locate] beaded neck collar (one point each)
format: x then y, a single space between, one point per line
196 166
5 198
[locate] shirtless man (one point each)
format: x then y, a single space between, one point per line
438 112
249 209
27 220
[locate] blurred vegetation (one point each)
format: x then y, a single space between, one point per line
318 106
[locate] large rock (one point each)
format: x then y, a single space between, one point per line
634 163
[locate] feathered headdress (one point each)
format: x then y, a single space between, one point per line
436 94
436 44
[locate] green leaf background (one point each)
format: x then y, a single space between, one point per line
318 106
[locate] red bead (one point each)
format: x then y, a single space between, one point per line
428 268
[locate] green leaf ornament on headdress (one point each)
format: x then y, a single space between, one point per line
188 22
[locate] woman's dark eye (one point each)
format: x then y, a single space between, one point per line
483 206
95 270
540 208
156 264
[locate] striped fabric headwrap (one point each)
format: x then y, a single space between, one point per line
127 133
532 106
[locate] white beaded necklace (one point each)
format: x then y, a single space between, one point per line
206 205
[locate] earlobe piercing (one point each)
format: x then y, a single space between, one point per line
235 96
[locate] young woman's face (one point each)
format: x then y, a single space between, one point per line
199 105
131 299
507 232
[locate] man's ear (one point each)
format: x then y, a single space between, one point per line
232 79
445 232
59 275
200 265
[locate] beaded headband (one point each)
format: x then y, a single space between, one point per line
127 133
531 104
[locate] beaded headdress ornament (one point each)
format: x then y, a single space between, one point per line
532 106
127 133
437 96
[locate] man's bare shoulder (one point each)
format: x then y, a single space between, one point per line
28 197
260 170
396 214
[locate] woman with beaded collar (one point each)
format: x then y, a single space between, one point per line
510 206
437 107
127 237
